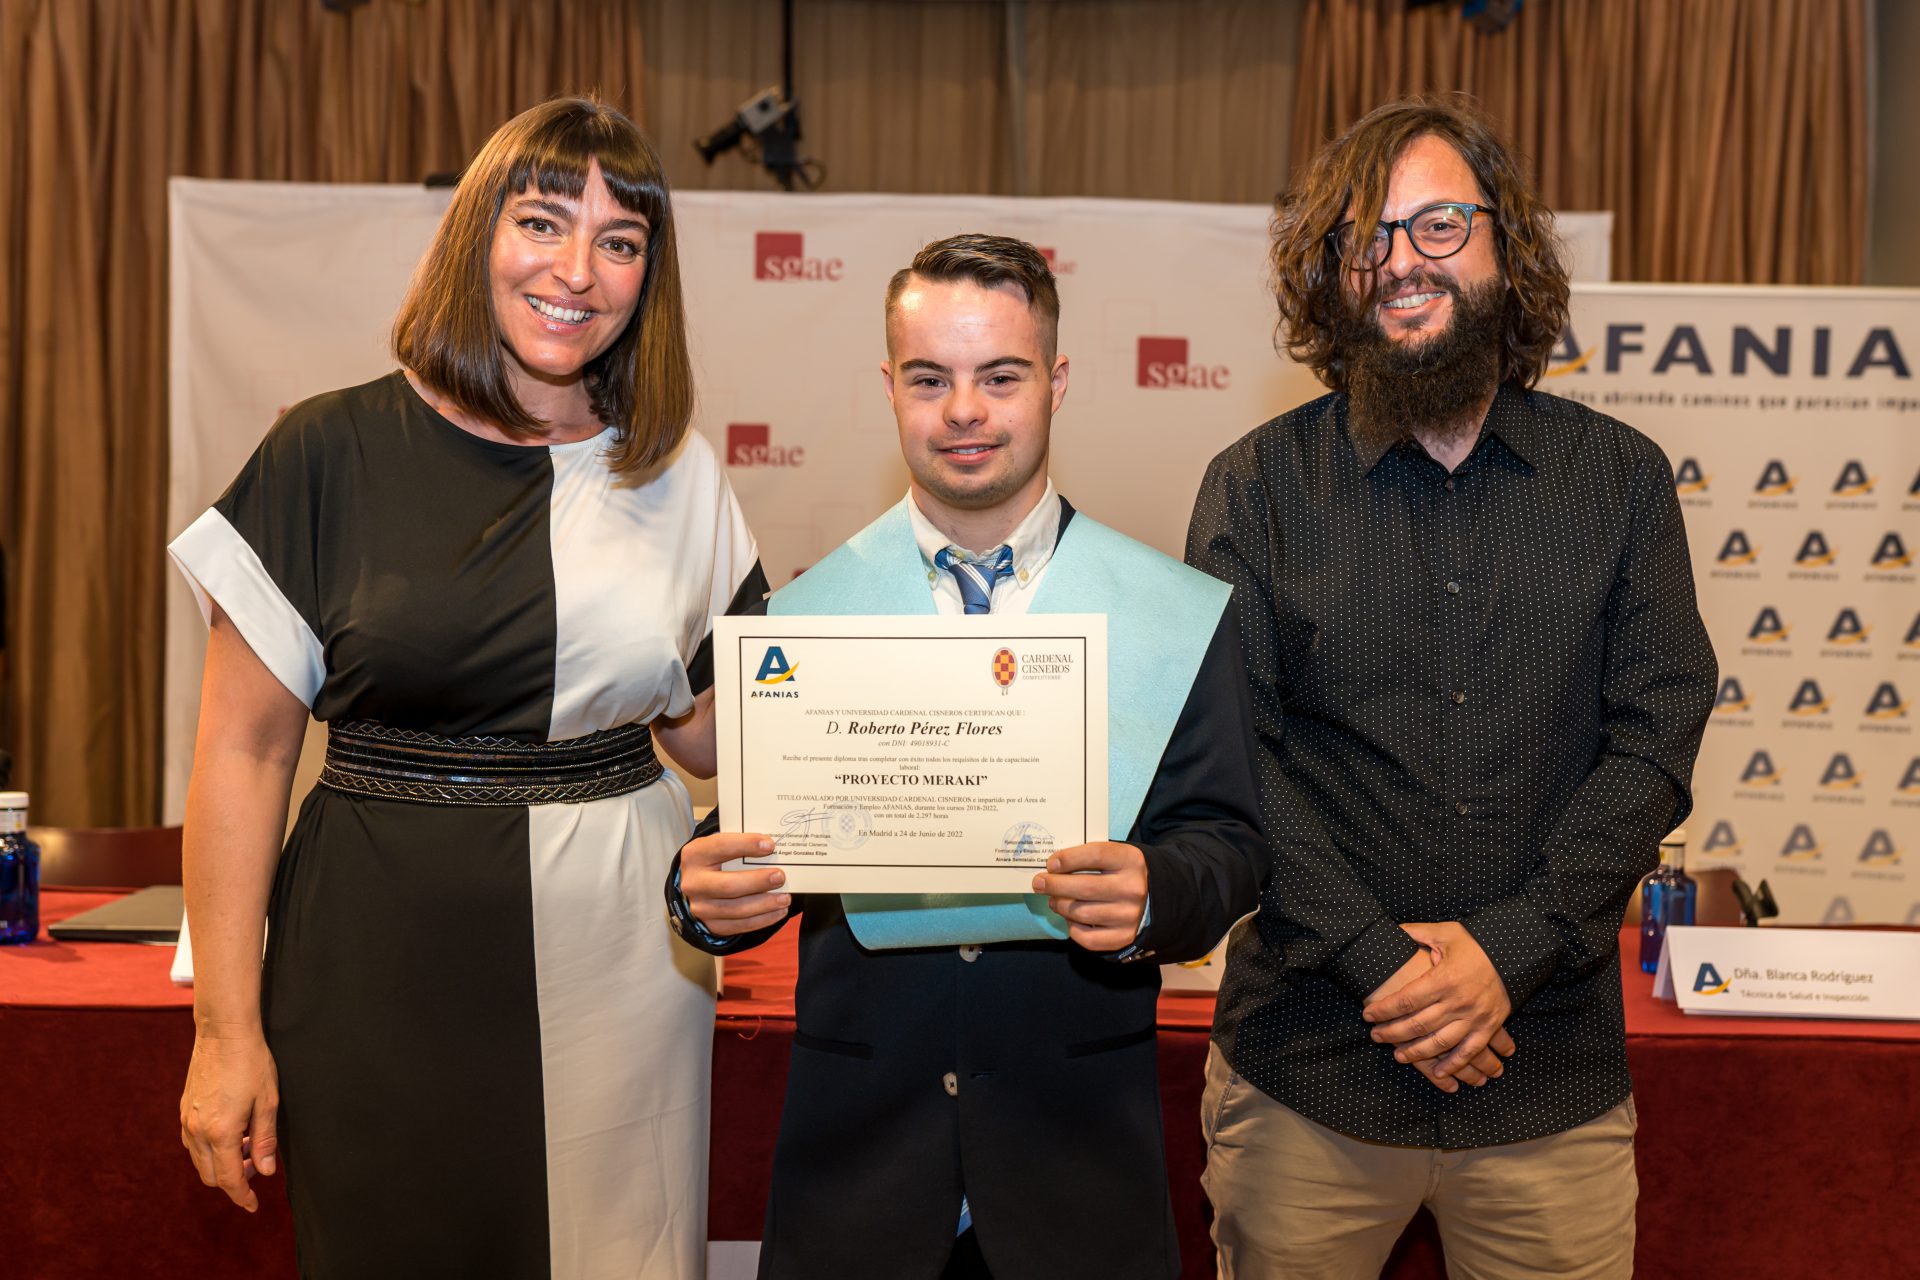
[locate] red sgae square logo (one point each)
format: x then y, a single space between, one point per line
1166 353
772 250
1048 254
743 438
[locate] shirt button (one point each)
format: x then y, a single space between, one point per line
1021 574
1459 696
1453 588
932 576
1447 484
969 954
1460 807
951 1083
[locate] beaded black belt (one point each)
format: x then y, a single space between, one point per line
368 759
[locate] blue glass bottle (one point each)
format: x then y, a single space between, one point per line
19 873
1668 898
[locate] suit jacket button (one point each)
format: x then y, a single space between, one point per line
951 1083
969 953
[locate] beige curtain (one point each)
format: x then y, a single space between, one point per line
1135 98
1728 137
1163 99
103 100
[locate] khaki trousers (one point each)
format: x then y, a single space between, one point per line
1294 1200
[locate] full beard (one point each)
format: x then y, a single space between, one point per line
1432 386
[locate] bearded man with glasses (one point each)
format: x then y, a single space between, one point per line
1479 680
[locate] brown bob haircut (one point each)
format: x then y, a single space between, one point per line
990 262
446 331
1352 172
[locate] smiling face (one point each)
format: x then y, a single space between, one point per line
974 387
1411 297
566 277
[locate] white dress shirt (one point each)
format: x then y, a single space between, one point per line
1032 541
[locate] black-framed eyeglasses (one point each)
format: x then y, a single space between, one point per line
1437 231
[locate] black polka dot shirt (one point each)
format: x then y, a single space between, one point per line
1477 697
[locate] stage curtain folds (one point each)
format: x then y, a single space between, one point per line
104 99
1729 137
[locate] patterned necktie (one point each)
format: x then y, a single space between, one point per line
976 577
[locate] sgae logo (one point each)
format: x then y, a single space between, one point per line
1163 362
1880 848
1732 699
1054 262
1892 553
1688 478
750 444
1775 481
774 668
1767 627
1760 771
1740 349
1814 552
1721 842
1808 700
1854 482
1708 982
1801 846
1840 774
1848 629
782 255
1737 550
1886 703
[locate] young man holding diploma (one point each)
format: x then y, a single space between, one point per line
973 1088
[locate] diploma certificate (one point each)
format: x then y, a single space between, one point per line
912 754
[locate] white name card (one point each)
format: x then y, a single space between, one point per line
1796 973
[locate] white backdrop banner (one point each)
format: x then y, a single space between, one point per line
1793 422
281 291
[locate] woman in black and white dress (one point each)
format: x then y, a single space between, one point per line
474 1041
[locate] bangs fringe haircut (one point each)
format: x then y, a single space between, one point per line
446 331
1352 171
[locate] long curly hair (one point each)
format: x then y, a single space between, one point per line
1351 172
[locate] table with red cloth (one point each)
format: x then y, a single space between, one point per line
1768 1147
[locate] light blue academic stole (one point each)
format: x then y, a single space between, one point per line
1161 615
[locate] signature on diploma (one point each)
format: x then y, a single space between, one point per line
842 826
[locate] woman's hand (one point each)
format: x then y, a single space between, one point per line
229 1113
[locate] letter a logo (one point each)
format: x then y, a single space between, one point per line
1774 481
1732 699
1800 844
1885 703
1760 770
1840 775
1910 780
1767 628
1839 911
1689 478
774 668
1847 629
1814 552
1721 840
1879 848
1708 981
1892 553
1736 549
1808 700
1854 482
